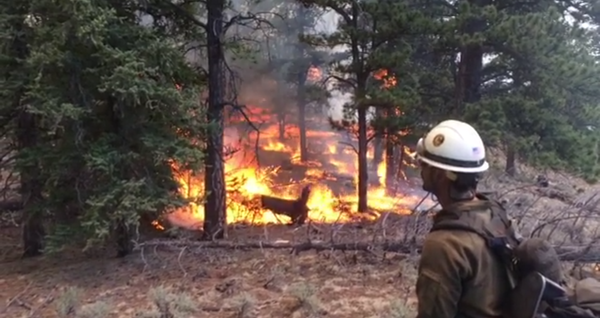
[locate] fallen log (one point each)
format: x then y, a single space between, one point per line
580 254
295 209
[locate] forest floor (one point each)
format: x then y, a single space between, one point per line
200 282
192 279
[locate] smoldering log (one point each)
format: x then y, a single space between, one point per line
297 209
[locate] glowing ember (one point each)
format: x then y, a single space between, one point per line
332 176
158 225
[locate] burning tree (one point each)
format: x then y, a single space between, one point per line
296 65
222 93
214 172
365 28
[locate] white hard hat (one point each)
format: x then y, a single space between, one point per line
455 146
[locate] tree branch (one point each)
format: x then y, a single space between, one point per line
184 13
245 19
584 254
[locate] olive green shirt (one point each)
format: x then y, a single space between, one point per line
459 276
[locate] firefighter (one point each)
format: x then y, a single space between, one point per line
459 276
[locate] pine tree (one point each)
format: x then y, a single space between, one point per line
20 126
542 83
365 28
102 90
514 70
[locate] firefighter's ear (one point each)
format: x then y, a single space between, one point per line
451 175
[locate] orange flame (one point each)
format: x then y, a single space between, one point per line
388 79
280 174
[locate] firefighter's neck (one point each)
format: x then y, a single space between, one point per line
447 196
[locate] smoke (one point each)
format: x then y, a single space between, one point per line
337 102
266 59
272 58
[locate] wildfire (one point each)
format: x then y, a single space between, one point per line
332 176
388 79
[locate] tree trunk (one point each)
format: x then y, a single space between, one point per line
215 213
301 94
27 138
302 125
31 192
377 152
400 154
281 125
390 166
31 186
124 235
363 175
469 68
511 158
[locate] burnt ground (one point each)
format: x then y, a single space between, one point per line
256 275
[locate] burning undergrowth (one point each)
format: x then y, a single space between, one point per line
265 165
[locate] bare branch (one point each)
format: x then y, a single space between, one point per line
248 18
348 144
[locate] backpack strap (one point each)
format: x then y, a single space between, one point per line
497 230
459 216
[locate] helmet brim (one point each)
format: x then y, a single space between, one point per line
482 168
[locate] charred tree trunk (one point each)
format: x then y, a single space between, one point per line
27 138
360 94
302 124
378 151
390 165
215 224
363 173
301 94
377 158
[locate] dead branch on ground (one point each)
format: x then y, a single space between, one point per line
15 299
582 254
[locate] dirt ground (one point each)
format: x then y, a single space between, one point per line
196 282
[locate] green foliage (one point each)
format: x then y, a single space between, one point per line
520 72
543 93
89 104
110 119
